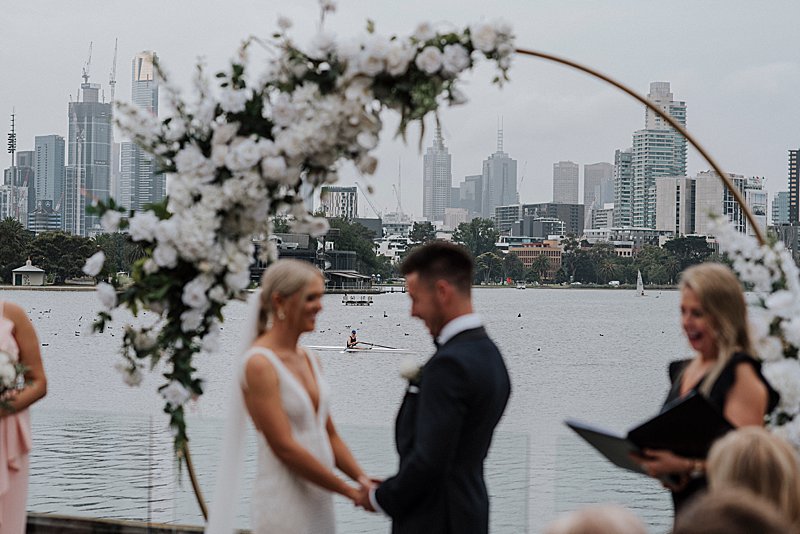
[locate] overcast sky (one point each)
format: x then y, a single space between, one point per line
735 63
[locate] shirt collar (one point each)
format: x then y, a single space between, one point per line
460 324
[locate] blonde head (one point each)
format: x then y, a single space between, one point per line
599 519
284 278
721 296
755 459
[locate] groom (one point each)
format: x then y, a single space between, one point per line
445 424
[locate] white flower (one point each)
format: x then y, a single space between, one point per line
131 376
791 330
483 36
367 140
769 349
217 294
110 220
398 57
457 97
224 132
144 341
107 295
190 160
781 303
790 432
243 154
165 255
455 58
274 168
150 266
194 293
424 32
784 376
94 264
191 320
238 280
211 339
233 100
322 44
429 60
143 226
175 394
410 369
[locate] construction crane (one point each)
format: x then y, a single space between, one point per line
112 79
366 197
86 65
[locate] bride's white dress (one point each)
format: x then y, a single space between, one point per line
282 502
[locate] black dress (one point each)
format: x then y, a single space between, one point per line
717 396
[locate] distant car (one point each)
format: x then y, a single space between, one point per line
576 284
614 283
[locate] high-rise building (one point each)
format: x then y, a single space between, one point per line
571 214
565 182
712 199
623 188
499 180
780 208
675 204
49 169
794 186
598 187
44 218
140 182
755 196
470 193
22 188
437 179
88 173
658 150
338 201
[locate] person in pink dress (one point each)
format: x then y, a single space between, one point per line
19 340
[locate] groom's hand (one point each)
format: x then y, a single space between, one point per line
363 494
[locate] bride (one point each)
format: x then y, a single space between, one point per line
287 398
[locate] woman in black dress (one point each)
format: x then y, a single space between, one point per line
714 319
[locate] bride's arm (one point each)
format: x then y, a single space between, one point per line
263 400
345 460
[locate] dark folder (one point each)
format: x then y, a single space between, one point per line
687 427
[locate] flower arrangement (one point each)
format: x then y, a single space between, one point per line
249 147
774 278
12 377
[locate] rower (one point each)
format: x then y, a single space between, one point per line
352 341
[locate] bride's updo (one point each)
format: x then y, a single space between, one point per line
285 278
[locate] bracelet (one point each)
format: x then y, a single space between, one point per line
698 469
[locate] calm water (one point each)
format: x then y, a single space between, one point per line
101 448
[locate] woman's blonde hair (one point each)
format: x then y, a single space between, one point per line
284 278
721 296
755 459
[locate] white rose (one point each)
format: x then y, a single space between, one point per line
424 32
110 220
367 140
217 294
143 226
194 293
769 349
784 376
457 97
191 320
322 44
781 303
398 57
233 100
790 432
175 394
483 36
144 341
131 376
190 160
165 255
107 295
243 154
283 111
455 58
211 339
94 264
791 330
150 266
224 132
238 280
429 60
274 167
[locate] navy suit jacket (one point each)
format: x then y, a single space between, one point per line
443 433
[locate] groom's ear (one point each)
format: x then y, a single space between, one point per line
443 291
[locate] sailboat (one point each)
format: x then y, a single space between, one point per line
639 284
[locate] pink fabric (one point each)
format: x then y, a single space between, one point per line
15 443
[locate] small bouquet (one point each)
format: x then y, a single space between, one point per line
12 378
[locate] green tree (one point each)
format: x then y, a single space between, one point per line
120 252
658 265
539 267
14 241
280 225
689 250
358 238
604 258
513 267
479 236
61 255
422 232
488 266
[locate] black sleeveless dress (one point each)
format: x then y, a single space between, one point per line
717 396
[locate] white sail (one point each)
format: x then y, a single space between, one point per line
639 284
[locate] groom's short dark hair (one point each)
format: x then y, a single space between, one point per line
441 260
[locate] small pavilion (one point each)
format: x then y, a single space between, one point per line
27 275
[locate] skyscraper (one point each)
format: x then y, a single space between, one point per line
88 170
437 179
598 187
780 208
49 168
470 193
565 182
794 186
675 204
623 188
338 201
712 199
140 182
499 180
658 150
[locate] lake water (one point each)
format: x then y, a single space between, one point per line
101 448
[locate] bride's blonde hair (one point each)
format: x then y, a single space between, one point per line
284 278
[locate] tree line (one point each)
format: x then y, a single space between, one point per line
62 255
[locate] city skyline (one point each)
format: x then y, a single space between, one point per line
551 114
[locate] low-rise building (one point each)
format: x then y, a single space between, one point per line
528 252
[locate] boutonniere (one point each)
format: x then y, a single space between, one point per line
411 371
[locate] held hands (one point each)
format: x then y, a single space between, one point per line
669 468
361 499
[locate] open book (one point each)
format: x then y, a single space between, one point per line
687 427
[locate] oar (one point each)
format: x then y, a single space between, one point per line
376 345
